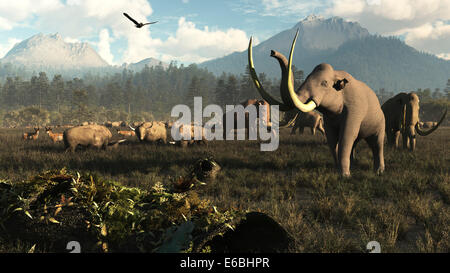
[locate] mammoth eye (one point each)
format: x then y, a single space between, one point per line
324 83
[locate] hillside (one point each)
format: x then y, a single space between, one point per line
51 51
381 62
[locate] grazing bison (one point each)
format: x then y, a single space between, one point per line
310 119
153 131
191 131
90 135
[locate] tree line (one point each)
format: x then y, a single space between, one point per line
148 94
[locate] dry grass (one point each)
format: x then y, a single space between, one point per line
406 209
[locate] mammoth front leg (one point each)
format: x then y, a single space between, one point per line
405 136
412 138
347 138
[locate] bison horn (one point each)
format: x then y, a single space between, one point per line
425 133
289 123
266 96
295 100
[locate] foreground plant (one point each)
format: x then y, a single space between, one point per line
56 207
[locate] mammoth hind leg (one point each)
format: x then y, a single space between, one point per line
353 153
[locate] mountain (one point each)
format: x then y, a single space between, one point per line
381 62
50 51
150 62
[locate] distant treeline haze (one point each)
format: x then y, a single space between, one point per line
147 95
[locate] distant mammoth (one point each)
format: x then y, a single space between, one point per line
351 110
249 119
312 120
153 131
88 135
402 116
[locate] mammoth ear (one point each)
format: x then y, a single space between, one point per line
340 84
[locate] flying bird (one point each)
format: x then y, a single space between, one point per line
138 25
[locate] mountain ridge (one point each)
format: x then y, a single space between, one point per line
42 51
346 46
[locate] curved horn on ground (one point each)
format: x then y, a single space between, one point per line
425 133
266 96
308 107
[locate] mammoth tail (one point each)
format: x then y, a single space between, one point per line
425 133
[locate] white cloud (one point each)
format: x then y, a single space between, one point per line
445 56
103 46
88 16
383 16
12 12
81 20
423 23
4 48
191 44
293 8
348 7
433 38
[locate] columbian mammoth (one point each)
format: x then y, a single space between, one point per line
402 117
351 110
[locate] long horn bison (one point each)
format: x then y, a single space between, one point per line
351 110
153 131
402 116
87 136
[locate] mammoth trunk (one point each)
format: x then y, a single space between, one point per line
284 91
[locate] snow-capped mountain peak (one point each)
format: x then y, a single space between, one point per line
43 51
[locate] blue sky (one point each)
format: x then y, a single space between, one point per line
198 30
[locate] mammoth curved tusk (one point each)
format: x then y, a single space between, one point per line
308 107
425 133
132 128
266 96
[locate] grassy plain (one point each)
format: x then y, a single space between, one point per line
406 209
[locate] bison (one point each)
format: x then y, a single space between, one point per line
89 135
153 131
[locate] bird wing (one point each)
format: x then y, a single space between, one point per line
131 19
151 23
